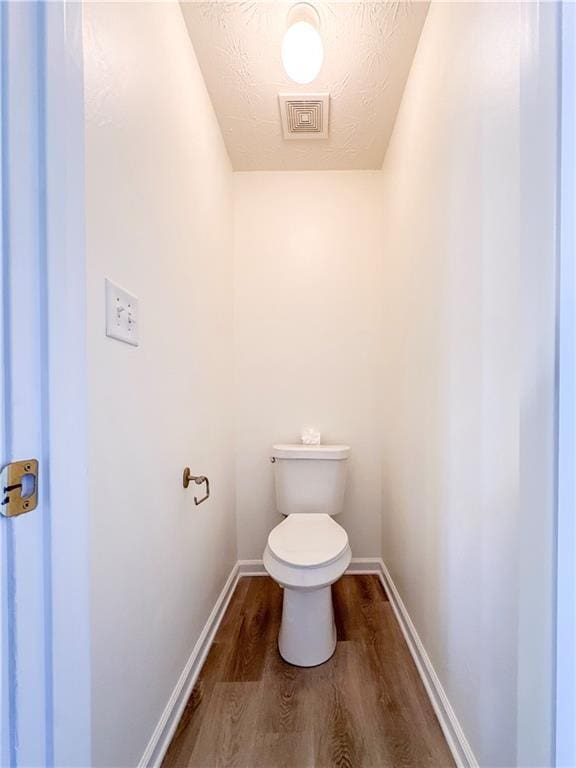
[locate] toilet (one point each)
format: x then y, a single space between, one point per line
308 551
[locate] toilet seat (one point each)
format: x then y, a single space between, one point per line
307 551
307 540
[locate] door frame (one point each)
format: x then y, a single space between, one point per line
50 50
67 396
565 673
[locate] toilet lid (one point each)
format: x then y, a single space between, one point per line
307 540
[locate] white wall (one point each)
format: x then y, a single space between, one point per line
307 324
160 224
456 221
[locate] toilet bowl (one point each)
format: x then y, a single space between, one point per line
306 554
308 551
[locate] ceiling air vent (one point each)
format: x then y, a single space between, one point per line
304 116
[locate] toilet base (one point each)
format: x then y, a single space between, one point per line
307 632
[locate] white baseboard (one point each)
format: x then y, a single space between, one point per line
160 741
251 568
360 565
451 728
357 565
459 746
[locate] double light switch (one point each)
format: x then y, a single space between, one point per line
121 314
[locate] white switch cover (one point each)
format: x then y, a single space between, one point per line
121 314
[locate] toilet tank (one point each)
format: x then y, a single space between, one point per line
310 478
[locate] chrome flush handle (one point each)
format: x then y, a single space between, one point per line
187 478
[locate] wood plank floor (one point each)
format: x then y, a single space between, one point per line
366 706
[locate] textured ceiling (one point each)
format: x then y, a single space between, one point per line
368 47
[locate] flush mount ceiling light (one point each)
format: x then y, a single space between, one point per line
302 49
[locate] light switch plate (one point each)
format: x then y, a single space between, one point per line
122 321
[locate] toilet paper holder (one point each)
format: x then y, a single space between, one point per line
188 478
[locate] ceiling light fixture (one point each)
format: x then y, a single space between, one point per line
302 49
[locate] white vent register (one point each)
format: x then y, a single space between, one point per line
304 116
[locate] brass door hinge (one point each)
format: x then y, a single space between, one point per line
19 486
